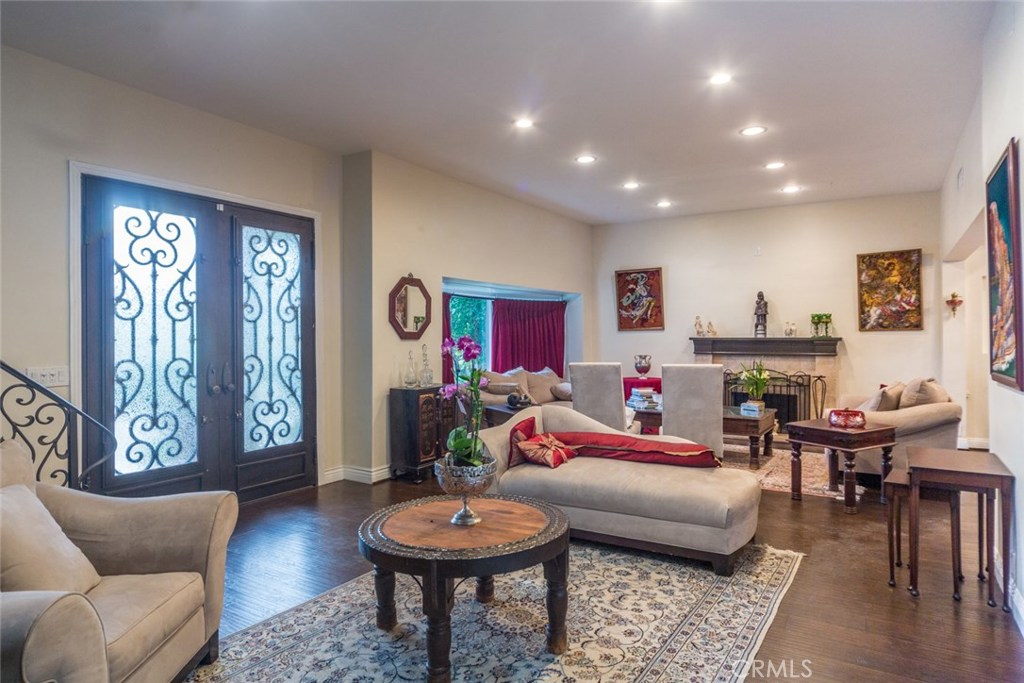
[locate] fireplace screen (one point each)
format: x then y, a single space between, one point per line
796 396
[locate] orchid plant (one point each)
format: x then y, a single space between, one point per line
464 441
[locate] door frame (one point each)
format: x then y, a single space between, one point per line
76 169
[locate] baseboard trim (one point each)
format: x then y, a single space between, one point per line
1016 598
972 443
332 475
362 475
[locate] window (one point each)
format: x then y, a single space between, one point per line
472 316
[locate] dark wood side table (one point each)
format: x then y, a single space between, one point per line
846 441
752 427
980 472
417 538
500 413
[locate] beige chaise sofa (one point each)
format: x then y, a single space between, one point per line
703 513
119 589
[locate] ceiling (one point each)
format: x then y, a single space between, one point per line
860 99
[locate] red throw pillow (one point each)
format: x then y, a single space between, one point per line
545 449
521 432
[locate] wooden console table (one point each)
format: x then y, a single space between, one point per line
976 471
846 441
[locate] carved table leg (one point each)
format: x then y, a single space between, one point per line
849 484
981 536
438 594
915 533
898 504
769 439
795 470
755 449
384 588
556 571
886 469
990 523
485 589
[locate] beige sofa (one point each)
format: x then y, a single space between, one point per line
118 589
703 513
543 387
935 425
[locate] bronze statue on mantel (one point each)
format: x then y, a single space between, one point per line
760 316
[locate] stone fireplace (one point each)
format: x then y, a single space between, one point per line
805 358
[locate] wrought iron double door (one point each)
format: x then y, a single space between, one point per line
198 349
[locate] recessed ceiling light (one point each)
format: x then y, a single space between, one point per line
523 123
586 159
775 165
790 189
720 79
753 130
630 185
664 204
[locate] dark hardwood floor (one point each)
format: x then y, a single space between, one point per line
839 614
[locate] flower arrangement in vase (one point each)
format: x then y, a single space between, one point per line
465 470
755 381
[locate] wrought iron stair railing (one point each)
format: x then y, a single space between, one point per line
50 427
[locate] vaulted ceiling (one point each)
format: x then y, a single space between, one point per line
858 98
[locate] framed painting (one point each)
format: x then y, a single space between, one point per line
889 291
1004 267
638 299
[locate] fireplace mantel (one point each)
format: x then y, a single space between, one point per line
766 346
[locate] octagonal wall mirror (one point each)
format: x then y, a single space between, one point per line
409 307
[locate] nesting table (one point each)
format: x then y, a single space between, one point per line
417 538
980 472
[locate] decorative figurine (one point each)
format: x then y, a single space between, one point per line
712 332
760 316
698 327
790 329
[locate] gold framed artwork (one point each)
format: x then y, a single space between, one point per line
638 299
889 291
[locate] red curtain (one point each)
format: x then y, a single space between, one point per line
528 333
447 375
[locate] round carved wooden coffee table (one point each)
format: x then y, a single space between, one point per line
417 538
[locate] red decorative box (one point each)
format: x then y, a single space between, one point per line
846 419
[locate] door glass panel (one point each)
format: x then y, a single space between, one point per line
154 340
271 313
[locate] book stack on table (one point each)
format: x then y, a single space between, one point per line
644 399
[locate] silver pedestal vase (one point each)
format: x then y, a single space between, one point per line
465 481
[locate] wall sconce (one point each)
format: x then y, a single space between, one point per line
954 302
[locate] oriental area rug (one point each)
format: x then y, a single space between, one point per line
775 472
633 617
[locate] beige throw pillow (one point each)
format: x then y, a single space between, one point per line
871 405
501 388
37 556
562 391
516 376
891 396
540 384
922 391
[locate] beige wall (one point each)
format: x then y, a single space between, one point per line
437 227
53 114
804 259
1001 117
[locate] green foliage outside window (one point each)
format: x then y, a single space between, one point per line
469 319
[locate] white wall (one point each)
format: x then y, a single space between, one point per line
53 114
436 227
806 264
1002 107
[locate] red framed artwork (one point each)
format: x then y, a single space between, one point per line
638 299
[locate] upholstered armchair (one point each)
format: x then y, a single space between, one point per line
107 589
691 403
